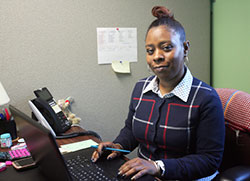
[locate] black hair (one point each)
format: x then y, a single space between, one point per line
165 17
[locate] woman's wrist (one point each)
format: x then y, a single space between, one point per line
158 169
161 167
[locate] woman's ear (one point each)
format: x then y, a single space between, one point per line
186 46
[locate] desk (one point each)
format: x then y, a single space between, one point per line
12 174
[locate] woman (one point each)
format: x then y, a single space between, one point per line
174 119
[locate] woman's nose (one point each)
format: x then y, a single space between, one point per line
158 57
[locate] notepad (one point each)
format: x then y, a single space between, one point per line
71 147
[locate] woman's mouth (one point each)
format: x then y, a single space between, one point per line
161 67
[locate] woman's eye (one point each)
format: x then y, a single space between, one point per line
150 51
167 48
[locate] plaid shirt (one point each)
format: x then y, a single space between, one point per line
184 130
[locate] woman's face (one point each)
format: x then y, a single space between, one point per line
165 53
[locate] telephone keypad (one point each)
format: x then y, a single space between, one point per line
63 121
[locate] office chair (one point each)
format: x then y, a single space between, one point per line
236 159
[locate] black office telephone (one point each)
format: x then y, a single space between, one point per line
52 113
49 114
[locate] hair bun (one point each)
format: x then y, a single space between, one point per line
161 11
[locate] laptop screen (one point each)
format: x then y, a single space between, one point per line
42 146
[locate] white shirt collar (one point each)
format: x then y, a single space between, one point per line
182 90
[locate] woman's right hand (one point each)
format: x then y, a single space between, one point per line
98 152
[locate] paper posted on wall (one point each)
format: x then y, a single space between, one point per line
116 44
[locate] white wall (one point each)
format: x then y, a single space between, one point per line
53 43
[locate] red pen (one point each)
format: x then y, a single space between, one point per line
7 115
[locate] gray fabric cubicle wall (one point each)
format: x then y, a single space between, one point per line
53 44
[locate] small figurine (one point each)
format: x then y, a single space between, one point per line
65 106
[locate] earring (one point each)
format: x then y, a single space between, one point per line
186 61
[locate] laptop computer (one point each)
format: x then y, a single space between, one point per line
55 166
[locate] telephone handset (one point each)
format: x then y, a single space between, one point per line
53 117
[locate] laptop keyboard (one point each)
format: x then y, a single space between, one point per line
83 169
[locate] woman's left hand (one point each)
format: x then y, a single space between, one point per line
139 167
